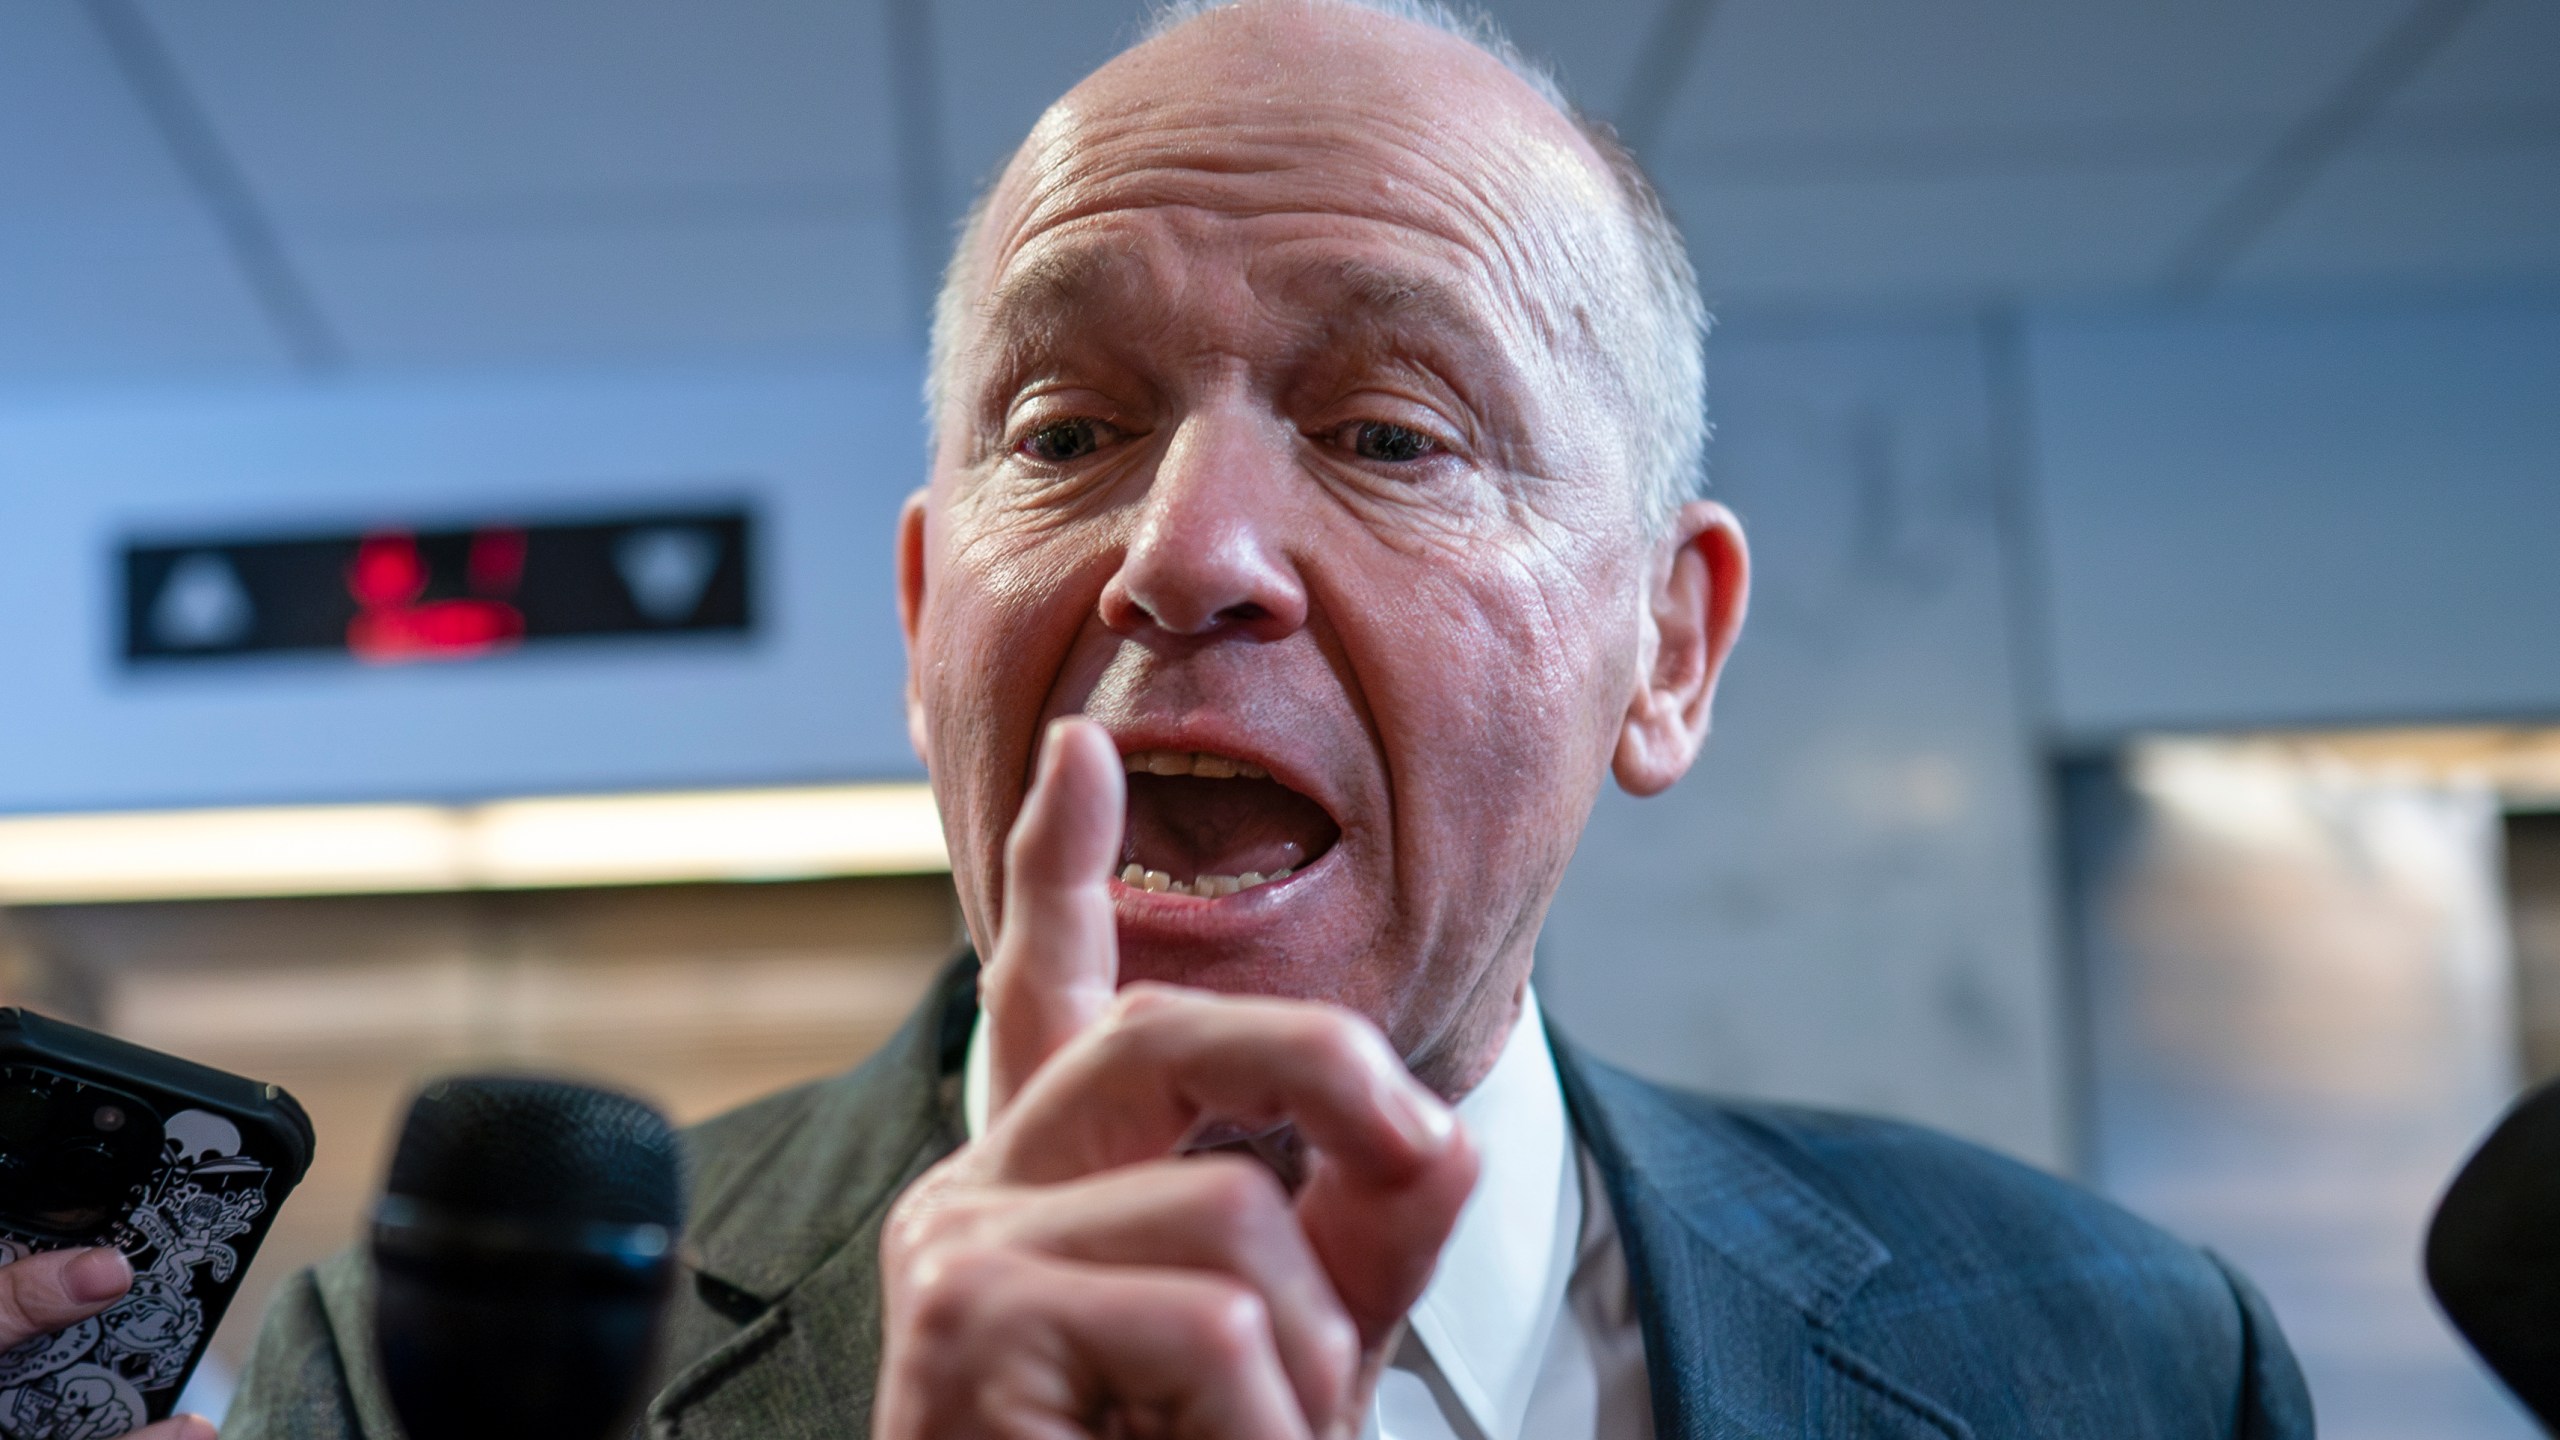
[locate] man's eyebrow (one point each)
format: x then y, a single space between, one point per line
1356 304
1027 310
1368 295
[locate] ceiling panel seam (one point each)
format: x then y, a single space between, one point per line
2306 149
209 169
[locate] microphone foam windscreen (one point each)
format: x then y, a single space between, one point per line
527 1148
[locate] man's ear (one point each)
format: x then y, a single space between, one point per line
911 609
1700 587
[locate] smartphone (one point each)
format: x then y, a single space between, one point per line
179 1165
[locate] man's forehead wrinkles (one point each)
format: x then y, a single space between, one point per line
1353 291
1059 283
1073 258
1523 219
1383 162
1056 279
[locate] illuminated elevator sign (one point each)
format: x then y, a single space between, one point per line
438 593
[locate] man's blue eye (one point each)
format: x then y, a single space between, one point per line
1379 440
1064 440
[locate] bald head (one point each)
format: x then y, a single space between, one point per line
1311 400
1395 109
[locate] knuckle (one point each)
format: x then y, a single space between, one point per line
947 1289
1337 1357
1143 1020
906 1237
921 1217
1339 1039
1233 1324
1022 860
1144 1001
29 1296
1238 1196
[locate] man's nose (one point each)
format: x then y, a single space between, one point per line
1210 549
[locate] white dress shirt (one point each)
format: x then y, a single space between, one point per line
1528 1329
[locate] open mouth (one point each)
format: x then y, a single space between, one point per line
1213 825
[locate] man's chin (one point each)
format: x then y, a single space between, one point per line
1234 967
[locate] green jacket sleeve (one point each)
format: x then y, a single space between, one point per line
310 1377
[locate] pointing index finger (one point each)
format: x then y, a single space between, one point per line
1057 958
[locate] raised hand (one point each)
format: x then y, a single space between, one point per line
1074 1272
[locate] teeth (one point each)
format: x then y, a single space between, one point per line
1207 887
1188 762
1214 767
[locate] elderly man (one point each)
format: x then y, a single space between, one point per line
1312 531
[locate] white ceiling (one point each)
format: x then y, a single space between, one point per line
272 186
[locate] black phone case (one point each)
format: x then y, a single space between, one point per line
231 1149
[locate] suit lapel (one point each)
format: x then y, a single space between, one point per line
1738 1269
787 1240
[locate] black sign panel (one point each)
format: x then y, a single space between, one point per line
392 596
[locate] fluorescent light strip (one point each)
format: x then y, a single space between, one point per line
502 845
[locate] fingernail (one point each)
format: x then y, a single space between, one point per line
196 1427
101 1274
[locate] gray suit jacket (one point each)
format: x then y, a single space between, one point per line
1798 1274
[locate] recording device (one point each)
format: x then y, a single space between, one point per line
2493 1252
523 1253
178 1165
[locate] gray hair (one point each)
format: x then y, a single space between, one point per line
1662 363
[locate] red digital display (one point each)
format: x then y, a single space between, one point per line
399 595
394 620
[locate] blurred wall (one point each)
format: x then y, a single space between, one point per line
2302 1020
1846 902
2270 517
823 457
1978 543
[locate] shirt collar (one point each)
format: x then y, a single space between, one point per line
1494 1302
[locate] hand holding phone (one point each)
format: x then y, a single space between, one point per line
52 1292
134 1188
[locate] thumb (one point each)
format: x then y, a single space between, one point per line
1057 958
58 1288
1379 1237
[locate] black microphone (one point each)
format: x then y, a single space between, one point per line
2493 1252
523 1253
